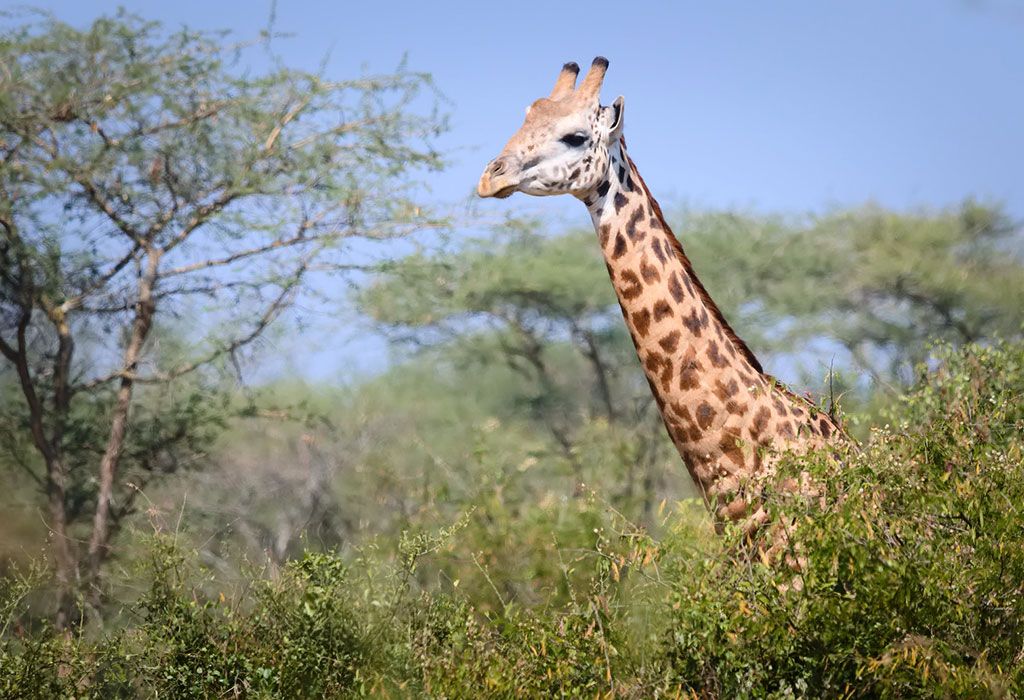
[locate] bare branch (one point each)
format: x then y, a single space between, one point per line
190 119
291 114
298 238
272 311
105 206
99 381
7 351
336 131
201 216
76 301
27 468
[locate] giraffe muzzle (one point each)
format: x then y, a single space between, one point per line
498 179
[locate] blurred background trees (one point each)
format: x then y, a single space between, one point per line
878 285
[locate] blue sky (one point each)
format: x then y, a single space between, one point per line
774 106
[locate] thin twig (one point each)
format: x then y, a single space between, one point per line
504 605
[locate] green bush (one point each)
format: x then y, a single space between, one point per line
912 585
914 576
311 630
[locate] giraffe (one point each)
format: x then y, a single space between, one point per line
727 418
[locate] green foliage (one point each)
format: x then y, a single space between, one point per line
912 581
910 586
312 630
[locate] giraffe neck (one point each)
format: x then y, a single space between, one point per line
720 409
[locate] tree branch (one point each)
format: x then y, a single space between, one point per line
76 301
104 205
298 238
289 115
201 216
265 320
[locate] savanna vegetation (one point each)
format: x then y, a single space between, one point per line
498 512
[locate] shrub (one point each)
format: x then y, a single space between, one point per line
912 586
914 577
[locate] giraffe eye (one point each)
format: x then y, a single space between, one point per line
573 140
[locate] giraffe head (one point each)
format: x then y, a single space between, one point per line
562 147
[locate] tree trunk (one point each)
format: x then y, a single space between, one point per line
591 352
66 564
65 569
144 309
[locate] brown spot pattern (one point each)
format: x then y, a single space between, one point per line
631 229
662 309
675 288
669 342
731 447
658 251
660 366
689 371
641 322
649 272
761 421
692 323
725 391
736 408
653 362
717 359
705 414
620 247
629 286
686 429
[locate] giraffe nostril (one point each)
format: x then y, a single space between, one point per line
498 166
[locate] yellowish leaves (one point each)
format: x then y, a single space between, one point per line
867 523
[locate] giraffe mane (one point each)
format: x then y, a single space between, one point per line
677 247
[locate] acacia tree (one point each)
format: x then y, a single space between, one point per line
144 172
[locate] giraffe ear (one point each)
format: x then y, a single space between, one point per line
616 112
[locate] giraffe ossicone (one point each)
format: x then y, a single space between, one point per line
726 417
